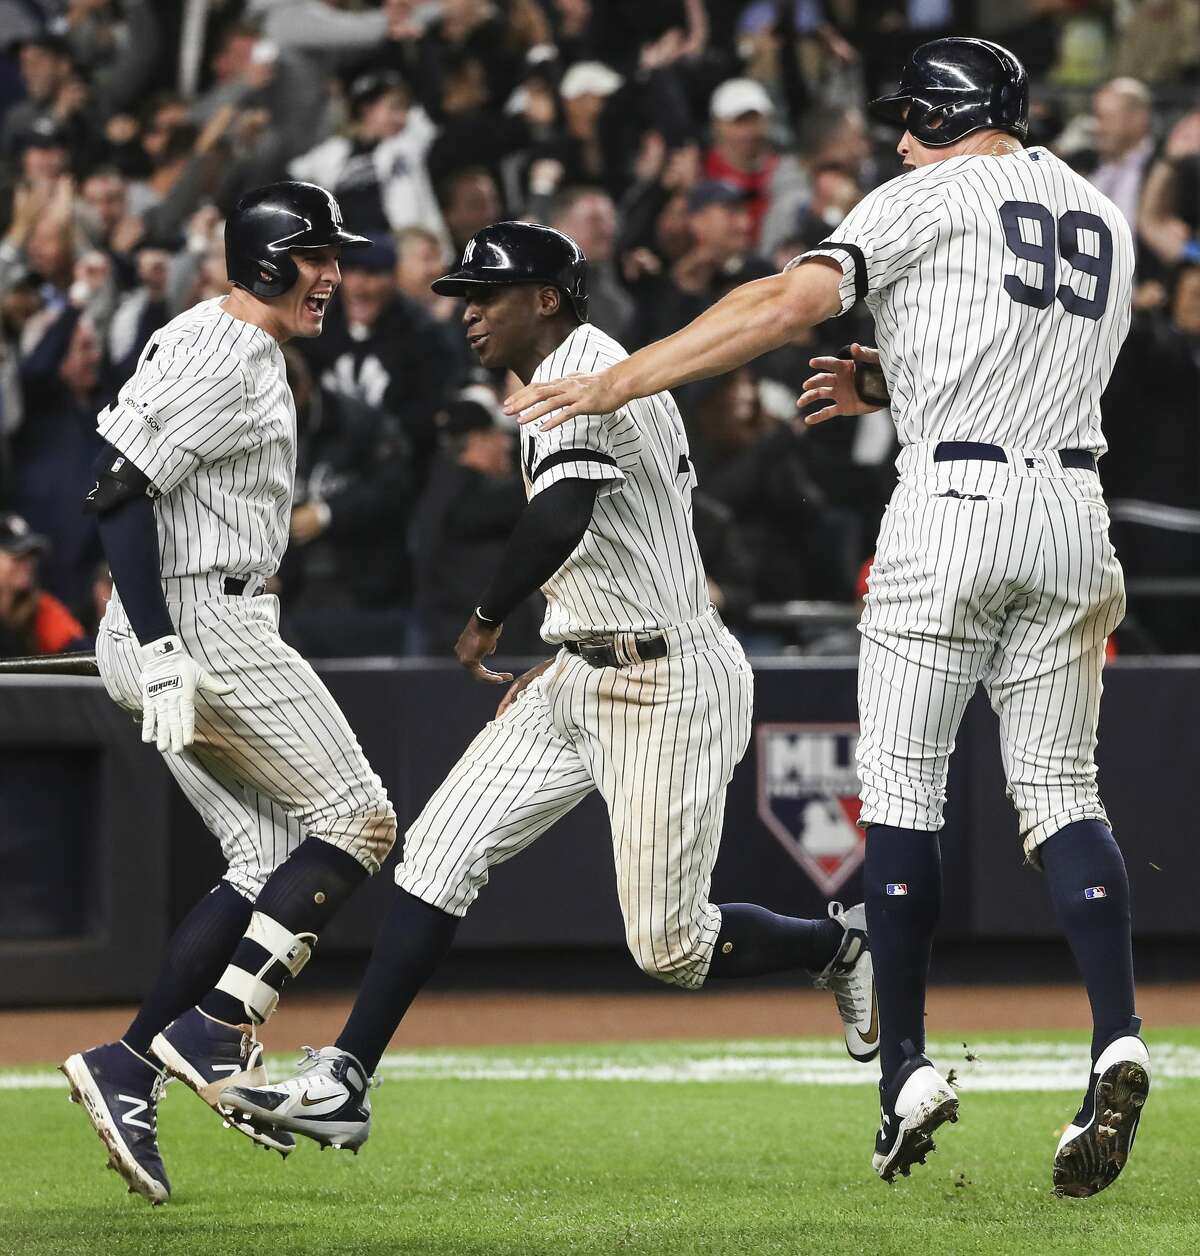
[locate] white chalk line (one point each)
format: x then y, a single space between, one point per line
996 1066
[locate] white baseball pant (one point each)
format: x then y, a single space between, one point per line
1000 572
275 761
659 740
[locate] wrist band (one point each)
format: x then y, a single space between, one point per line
486 620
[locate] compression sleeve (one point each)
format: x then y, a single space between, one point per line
129 535
547 533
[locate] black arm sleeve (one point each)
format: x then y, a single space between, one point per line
129 535
550 527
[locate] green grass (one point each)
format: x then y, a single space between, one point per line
552 1165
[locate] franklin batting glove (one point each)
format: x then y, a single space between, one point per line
170 678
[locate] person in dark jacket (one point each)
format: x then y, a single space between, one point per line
461 524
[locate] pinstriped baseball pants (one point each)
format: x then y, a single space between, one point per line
275 761
992 572
659 740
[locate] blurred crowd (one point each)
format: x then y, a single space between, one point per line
688 145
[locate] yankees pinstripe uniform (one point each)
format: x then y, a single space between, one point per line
1000 288
209 419
659 738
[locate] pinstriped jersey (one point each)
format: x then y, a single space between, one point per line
209 419
637 568
1001 291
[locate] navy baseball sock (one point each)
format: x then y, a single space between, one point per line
754 941
299 898
196 956
1090 892
902 884
412 942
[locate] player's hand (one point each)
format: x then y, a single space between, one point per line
170 678
835 384
563 399
477 641
521 684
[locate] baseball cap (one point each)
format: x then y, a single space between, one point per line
19 539
376 257
714 192
739 96
43 132
368 88
459 417
589 78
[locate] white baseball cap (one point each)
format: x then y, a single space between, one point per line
589 78
738 96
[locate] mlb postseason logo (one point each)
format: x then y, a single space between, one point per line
808 797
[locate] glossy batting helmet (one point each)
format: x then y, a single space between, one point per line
951 87
521 252
269 222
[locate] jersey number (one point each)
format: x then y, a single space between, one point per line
1067 240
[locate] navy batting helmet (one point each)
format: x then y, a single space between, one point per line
951 87
270 221
521 252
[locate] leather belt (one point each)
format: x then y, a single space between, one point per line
235 586
604 653
960 450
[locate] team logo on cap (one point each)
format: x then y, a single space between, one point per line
808 797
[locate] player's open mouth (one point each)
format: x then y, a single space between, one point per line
477 342
316 302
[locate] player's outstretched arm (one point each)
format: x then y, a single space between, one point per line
751 320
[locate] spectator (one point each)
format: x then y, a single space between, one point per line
47 73
107 219
421 257
139 315
717 258
741 153
589 217
32 621
382 349
470 200
1125 145
470 505
378 171
347 575
1169 216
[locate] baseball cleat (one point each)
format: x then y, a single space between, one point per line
850 978
208 1055
119 1090
326 1100
911 1107
1094 1147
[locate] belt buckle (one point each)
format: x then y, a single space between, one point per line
596 653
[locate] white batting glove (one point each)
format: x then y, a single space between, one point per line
170 678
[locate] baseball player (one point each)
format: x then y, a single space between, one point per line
647 700
1000 285
193 498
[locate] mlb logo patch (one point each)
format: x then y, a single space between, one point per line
1095 891
897 887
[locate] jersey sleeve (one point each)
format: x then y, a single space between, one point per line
881 239
178 412
587 447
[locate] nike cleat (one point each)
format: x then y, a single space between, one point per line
850 978
1095 1146
326 1100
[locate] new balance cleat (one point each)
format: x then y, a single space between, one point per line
119 1090
208 1055
326 1100
911 1107
850 978
1095 1146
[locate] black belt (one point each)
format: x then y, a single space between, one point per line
958 450
604 653
235 586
